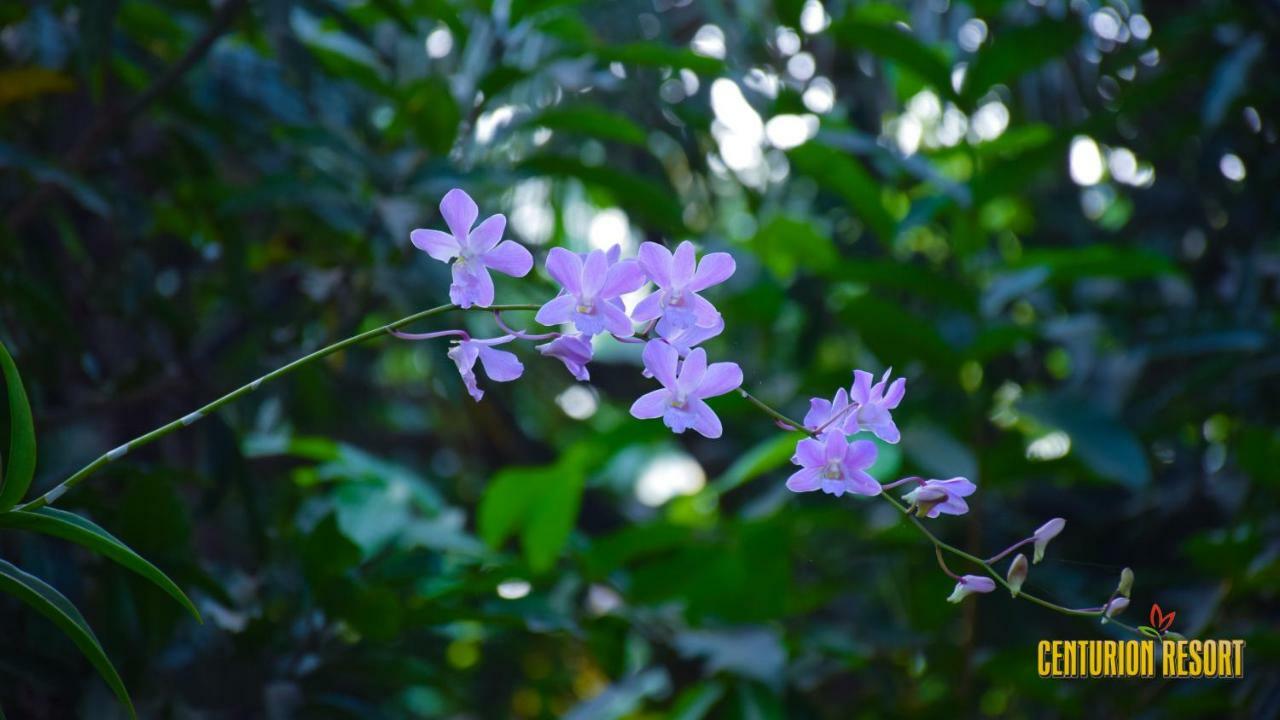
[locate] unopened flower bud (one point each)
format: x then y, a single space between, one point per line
1017 574
1114 607
970 584
1044 534
1126 582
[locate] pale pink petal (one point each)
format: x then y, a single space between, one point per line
557 311
895 393
566 268
471 286
487 234
650 405
594 271
819 413
713 269
720 378
704 312
656 261
649 307
439 245
806 480
860 483
705 420
459 212
861 390
500 365
682 264
616 320
660 359
623 277
809 453
692 371
509 258
860 454
835 448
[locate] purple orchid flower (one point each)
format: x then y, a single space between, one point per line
680 278
572 350
834 465
499 365
591 290
686 339
477 250
681 401
935 497
970 584
827 415
874 403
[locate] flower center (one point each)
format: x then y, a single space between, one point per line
586 306
832 471
675 296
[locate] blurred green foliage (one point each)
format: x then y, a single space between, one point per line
1057 219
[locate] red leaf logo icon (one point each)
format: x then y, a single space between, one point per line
1159 620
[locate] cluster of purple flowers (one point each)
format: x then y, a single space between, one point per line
675 319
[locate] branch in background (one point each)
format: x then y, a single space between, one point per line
109 122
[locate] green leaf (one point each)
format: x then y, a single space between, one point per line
1016 51
786 244
1070 264
539 503
847 178
650 200
768 455
52 604
658 55
593 121
892 42
1104 444
79 530
22 437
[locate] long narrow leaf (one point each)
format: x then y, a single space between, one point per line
52 604
81 531
22 437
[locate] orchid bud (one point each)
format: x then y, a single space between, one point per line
925 498
1114 607
1044 534
1017 574
1126 582
970 584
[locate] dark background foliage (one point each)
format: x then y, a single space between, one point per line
1058 220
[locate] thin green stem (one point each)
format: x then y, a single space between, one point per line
79 476
774 413
939 545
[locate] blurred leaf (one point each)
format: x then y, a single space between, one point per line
660 56
1015 51
18 84
755 653
42 172
541 503
68 526
763 457
429 110
52 604
848 179
652 201
897 335
21 465
891 42
597 122
786 244
1230 79
938 453
696 702
1066 265
622 698
1104 445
